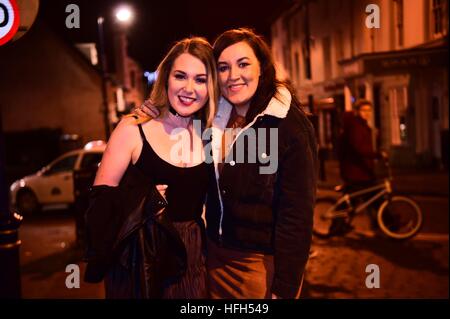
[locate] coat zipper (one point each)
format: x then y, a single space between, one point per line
218 186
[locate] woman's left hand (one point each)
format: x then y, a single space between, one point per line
146 109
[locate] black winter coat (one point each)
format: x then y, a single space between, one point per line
126 228
267 212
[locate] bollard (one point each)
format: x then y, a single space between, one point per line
9 258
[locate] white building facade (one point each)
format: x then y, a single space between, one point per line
391 52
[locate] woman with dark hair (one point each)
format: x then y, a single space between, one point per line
259 209
186 89
259 222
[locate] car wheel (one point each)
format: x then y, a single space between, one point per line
27 202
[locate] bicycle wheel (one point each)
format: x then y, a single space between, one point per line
322 216
399 217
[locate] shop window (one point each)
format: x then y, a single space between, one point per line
398 105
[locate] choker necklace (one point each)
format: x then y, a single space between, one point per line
172 110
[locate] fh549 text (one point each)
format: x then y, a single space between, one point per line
245 308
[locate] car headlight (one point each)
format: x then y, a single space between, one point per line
17 184
13 186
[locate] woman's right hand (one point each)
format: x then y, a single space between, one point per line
162 190
146 109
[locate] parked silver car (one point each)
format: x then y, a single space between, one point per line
52 186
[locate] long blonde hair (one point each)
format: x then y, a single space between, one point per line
202 50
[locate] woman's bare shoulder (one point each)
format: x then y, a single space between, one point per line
126 130
127 121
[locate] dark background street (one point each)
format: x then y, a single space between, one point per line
409 269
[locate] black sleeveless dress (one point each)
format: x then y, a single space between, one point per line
185 195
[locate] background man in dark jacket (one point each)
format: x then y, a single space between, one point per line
357 153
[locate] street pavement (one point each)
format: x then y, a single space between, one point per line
413 269
416 268
48 246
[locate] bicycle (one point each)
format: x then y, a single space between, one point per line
398 217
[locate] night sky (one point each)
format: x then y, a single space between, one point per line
157 24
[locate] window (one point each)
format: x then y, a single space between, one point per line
326 46
398 102
306 60
297 67
339 45
438 17
91 160
64 165
399 32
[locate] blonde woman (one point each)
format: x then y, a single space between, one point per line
186 90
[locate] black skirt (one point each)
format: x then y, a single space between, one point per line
193 284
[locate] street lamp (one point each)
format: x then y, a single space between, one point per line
124 15
104 70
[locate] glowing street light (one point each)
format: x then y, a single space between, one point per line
124 14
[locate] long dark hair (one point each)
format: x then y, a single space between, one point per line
268 82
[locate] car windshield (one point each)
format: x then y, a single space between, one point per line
90 160
63 165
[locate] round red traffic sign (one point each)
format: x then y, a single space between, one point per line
9 20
